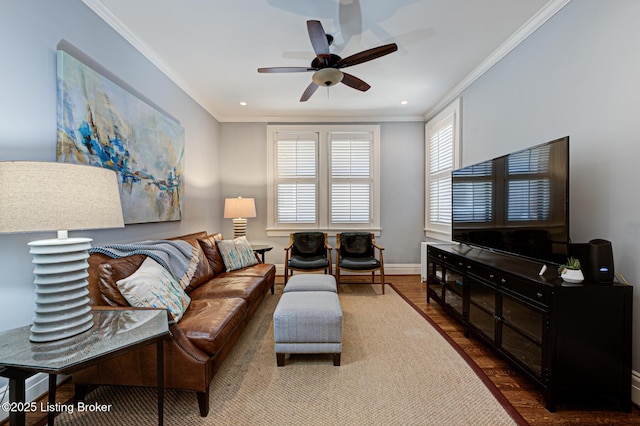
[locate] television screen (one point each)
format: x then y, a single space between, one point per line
517 203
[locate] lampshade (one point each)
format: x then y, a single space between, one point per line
327 77
239 207
40 196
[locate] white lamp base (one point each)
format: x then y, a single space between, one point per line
239 227
62 303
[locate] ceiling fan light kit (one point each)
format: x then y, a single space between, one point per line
327 77
326 66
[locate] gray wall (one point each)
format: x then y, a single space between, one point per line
244 173
31 30
578 76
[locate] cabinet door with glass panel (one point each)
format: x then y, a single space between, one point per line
483 314
435 276
523 333
453 290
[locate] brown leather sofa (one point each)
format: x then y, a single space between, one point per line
221 305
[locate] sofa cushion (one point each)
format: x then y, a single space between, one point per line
248 288
208 323
152 286
203 271
259 270
237 253
212 253
113 270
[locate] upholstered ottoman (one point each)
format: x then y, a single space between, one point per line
308 322
311 282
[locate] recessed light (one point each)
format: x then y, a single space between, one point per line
404 102
243 103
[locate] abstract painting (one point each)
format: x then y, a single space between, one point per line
103 125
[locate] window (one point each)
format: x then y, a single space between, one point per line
442 156
350 178
297 178
323 177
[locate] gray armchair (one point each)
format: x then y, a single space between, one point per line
356 252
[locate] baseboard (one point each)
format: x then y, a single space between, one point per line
35 386
389 269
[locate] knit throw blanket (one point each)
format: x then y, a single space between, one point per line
178 257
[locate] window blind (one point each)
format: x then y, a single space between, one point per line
297 178
440 166
441 148
350 171
440 200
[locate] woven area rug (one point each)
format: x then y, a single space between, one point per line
396 369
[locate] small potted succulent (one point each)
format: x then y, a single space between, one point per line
570 272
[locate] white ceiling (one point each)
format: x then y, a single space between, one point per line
212 49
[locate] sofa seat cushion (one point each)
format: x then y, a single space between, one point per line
259 270
208 323
248 288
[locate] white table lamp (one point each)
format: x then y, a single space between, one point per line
239 209
42 196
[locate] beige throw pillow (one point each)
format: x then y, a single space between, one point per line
152 286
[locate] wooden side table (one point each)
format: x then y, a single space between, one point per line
261 249
114 332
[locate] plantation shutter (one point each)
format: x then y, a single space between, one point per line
351 177
440 165
297 178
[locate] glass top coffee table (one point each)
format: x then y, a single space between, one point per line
115 331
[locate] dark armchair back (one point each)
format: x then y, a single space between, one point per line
307 244
356 244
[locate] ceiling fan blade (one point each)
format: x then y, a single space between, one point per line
310 90
285 69
318 39
355 82
367 55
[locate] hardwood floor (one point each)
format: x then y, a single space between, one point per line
519 391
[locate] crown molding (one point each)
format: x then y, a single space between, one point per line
320 119
529 27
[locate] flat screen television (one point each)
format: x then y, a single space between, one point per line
517 203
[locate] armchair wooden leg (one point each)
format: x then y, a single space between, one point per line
382 279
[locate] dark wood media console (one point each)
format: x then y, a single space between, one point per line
571 341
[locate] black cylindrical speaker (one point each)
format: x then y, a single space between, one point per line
601 261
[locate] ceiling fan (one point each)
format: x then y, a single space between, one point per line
326 65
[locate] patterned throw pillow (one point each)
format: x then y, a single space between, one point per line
237 253
152 286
